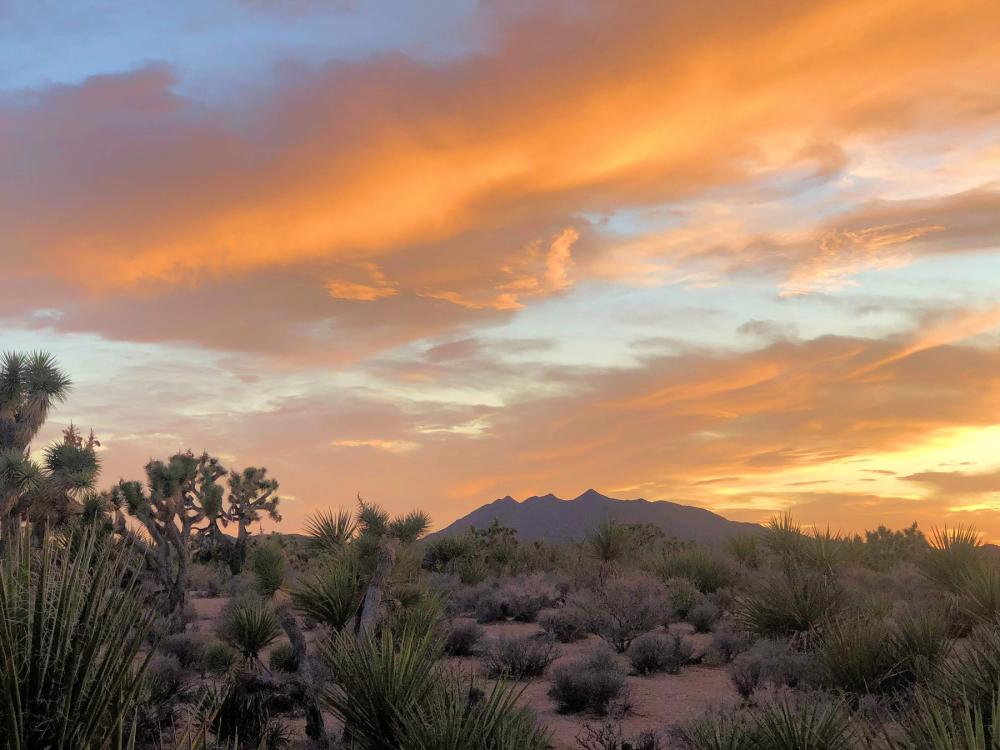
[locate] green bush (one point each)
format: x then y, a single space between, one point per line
803 725
795 602
250 625
699 565
268 565
187 648
331 595
953 557
703 617
218 658
682 597
921 643
855 656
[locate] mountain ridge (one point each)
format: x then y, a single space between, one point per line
554 519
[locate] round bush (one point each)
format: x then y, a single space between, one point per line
219 657
519 656
590 683
462 637
657 652
566 625
282 658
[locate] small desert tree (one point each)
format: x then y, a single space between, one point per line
44 491
252 494
169 507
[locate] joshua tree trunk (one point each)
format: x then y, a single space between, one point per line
315 728
371 605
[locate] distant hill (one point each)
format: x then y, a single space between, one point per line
556 520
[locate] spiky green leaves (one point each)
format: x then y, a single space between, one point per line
72 622
250 625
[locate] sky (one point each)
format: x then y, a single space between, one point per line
742 255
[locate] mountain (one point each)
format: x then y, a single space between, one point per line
556 520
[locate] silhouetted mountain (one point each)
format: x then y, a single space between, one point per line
553 519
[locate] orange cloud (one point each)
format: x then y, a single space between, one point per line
130 181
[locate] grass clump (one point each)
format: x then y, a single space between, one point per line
250 625
791 603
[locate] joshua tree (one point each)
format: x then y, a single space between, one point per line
169 507
30 384
251 494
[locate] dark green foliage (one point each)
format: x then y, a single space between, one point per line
746 550
588 683
392 694
189 649
855 655
803 725
953 556
332 594
519 656
250 625
491 607
72 622
921 642
682 597
795 602
268 565
219 658
706 570
659 652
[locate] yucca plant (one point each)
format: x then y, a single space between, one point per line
268 566
854 656
380 681
921 642
609 542
72 622
953 556
937 725
250 625
803 725
331 531
332 595
973 673
460 716
718 731
783 536
795 602
979 594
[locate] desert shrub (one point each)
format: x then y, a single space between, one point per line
659 652
243 720
207 579
491 607
268 565
519 656
682 597
728 642
249 625
745 550
524 597
219 657
745 673
959 724
588 683
706 570
566 624
624 608
703 617
331 595
921 643
461 638
282 658
715 731
795 602
165 677
772 662
823 550
855 656
241 585
973 672
610 735
188 649
953 556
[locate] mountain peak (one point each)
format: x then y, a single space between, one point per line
551 518
593 494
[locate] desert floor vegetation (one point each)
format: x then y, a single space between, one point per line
150 615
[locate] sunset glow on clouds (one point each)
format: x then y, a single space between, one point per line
739 255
